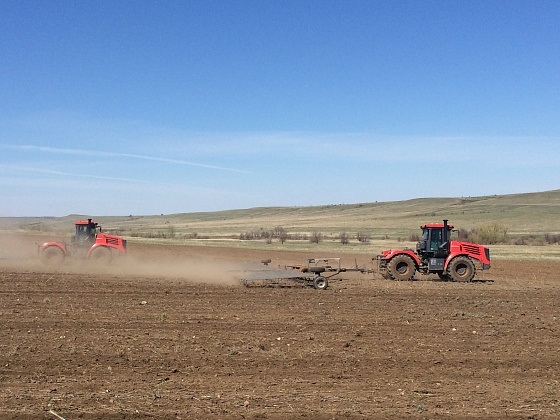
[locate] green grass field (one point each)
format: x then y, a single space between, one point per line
388 224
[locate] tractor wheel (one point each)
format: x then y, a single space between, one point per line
461 269
320 283
52 256
101 255
401 268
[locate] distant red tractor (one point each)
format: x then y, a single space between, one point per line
88 242
437 254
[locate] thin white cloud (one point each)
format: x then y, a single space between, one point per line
27 169
15 178
368 147
79 152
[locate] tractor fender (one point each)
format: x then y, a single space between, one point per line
394 252
60 245
110 241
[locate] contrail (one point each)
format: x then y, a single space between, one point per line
60 173
79 152
34 170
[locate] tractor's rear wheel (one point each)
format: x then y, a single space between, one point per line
52 256
461 269
401 268
320 283
101 255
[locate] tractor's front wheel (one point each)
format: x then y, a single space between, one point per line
461 269
401 268
52 256
101 255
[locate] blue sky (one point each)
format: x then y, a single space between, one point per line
150 107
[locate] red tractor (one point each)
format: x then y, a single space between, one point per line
88 242
437 254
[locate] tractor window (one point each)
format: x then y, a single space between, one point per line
85 232
436 240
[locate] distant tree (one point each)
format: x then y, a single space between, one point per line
280 233
283 236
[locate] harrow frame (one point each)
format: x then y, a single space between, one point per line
316 273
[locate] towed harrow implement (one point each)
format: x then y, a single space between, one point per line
315 273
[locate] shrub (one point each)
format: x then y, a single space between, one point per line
316 237
344 238
492 233
362 237
551 238
278 232
464 234
531 240
414 238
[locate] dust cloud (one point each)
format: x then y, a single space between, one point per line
199 270
18 247
21 252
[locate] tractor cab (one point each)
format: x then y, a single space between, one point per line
435 240
86 231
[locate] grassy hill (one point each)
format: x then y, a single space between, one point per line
522 214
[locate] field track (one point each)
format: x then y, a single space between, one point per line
170 334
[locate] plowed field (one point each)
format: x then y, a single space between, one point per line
169 333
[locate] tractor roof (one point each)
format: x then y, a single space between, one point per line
85 222
435 225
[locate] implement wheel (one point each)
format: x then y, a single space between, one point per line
401 268
320 283
461 269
